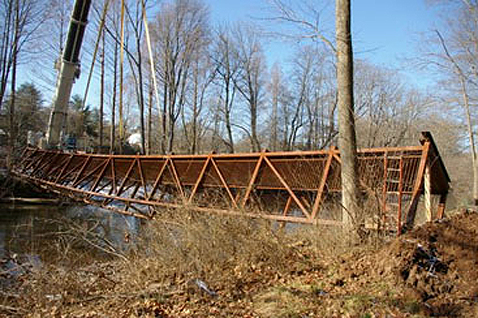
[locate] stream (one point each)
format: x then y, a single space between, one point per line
30 232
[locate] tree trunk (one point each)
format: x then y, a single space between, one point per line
141 96
102 89
475 181
113 104
256 146
150 118
471 138
164 122
6 49
5 59
228 102
11 114
12 124
347 138
275 103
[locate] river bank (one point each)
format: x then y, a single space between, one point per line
204 266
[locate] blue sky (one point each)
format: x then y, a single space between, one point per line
384 31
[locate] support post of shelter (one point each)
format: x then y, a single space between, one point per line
441 206
428 192
412 210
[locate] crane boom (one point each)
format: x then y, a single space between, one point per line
69 71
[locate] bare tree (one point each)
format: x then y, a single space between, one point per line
345 104
134 12
179 31
202 75
313 80
386 109
102 89
250 83
50 41
307 22
21 21
225 59
276 90
454 55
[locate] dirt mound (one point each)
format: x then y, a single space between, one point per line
431 270
439 262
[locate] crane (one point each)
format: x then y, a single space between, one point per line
69 71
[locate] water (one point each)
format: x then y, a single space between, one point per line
36 233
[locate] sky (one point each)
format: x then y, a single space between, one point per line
385 32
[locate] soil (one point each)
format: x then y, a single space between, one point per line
435 264
432 271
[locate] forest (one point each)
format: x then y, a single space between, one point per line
208 86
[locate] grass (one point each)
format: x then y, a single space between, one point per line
252 267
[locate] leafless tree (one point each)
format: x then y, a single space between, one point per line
250 83
276 89
135 19
345 105
21 20
453 54
202 75
307 22
50 41
386 109
178 32
226 63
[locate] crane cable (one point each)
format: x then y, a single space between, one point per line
95 53
121 74
150 51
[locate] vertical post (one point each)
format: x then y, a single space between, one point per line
427 192
385 187
412 210
400 193
113 175
441 206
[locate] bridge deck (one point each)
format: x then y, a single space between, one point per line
283 186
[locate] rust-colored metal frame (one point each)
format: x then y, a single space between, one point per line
282 186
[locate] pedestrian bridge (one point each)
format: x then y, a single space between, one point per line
283 186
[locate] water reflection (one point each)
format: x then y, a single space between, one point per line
29 232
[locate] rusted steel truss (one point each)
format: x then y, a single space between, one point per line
282 186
